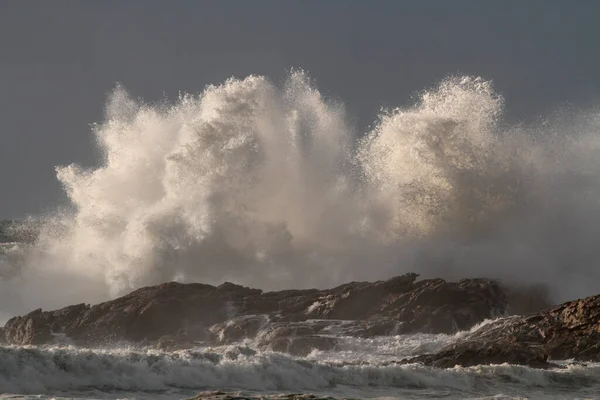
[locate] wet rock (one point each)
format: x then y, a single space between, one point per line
174 315
38 327
34 328
184 339
296 338
280 330
477 353
300 345
364 328
245 351
173 343
569 331
239 328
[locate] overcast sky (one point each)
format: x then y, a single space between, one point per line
59 59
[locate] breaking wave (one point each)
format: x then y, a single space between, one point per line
56 370
271 186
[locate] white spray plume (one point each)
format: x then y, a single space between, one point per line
271 187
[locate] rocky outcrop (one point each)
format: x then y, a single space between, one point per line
569 331
473 353
174 315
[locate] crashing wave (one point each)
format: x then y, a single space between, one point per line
272 187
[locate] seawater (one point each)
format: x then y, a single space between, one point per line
359 368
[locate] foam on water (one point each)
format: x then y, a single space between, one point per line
270 186
83 372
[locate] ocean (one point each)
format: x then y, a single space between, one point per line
359 368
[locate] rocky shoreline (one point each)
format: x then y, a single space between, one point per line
174 316
569 331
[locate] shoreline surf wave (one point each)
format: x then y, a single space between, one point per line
55 370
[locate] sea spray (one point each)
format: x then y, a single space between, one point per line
271 187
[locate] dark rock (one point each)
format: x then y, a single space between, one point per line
478 353
37 327
185 339
280 330
174 315
301 345
296 338
372 327
240 351
569 331
173 343
239 328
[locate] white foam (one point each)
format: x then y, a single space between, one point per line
68 369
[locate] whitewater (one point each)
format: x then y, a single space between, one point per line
359 368
271 186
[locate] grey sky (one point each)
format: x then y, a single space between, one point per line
59 59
